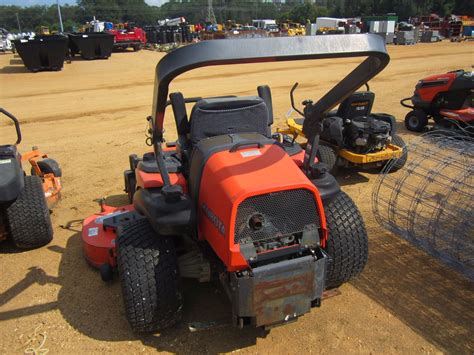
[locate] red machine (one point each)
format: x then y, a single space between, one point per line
229 201
128 37
446 98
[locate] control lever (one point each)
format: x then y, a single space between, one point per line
292 99
312 144
15 122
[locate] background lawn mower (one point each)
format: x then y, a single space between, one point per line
228 202
25 200
354 136
446 98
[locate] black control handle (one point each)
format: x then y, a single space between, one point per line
239 145
15 121
293 99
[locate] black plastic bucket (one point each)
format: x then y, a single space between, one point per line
42 52
91 45
151 34
162 37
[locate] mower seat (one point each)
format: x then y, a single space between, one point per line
358 104
229 115
11 173
265 94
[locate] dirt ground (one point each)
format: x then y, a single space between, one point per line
91 116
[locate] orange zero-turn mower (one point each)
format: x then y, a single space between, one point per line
25 200
229 202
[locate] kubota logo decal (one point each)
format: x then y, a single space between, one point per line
214 219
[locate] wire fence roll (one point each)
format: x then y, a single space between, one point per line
430 201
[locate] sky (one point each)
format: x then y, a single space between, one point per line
62 2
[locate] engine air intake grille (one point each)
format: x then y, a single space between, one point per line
275 214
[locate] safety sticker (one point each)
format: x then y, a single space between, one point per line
100 220
250 153
5 161
93 232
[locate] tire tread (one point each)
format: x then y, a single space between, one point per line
148 271
28 217
347 240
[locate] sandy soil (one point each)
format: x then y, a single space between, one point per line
91 115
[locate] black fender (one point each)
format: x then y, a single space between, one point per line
166 218
327 186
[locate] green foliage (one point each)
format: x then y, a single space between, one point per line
304 12
240 11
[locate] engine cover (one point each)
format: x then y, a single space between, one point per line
367 134
250 191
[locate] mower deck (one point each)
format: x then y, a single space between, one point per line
99 232
391 152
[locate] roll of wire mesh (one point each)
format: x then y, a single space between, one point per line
430 201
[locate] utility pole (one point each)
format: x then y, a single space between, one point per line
18 21
211 17
60 18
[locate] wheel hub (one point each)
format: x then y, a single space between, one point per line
414 121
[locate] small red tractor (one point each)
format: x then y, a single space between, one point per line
232 202
128 37
25 201
446 98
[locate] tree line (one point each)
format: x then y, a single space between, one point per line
240 11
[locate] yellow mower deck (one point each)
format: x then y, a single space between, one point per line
391 152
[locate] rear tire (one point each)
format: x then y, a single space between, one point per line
347 242
416 120
148 271
397 164
28 217
328 156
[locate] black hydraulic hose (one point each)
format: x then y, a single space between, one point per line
402 102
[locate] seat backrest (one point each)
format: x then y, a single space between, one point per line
265 93
358 104
229 115
181 118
